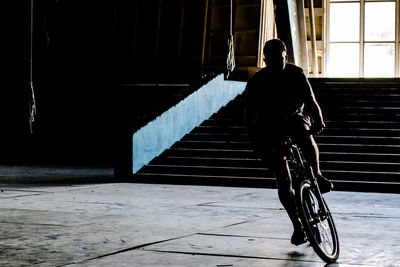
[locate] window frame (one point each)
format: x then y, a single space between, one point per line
362 41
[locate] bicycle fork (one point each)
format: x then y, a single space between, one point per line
323 211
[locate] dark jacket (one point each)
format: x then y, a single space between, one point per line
272 98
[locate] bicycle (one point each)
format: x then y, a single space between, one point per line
312 209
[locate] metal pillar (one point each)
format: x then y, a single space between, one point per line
290 24
314 60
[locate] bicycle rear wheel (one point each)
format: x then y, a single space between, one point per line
319 227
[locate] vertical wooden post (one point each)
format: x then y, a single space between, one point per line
203 52
314 60
302 37
396 43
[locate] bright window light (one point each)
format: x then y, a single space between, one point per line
379 60
344 22
380 21
362 45
343 60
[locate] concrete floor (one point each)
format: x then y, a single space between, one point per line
127 224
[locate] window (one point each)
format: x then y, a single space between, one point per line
363 39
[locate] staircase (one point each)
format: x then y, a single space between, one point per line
360 149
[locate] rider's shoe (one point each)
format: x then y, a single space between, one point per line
298 238
324 184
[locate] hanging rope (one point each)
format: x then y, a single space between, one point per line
230 61
32 102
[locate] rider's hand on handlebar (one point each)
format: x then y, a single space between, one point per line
317 127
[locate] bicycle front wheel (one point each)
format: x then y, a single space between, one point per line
318 224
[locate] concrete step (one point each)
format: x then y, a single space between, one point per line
232 129
359 100
321 139
223 122
351 122
359 148
216 137
334 113
366 186
207 170
210 161
232 145
358 139
349 149
185 174
248 158
377 110
220 180
347 165
362 176
366 116
357 123
359 157
255 168
211 153
336 131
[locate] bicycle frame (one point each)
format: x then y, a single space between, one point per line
312 208
303 172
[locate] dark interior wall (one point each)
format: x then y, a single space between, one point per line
158 40
71 48
87 56
14 93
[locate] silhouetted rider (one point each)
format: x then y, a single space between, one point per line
280 102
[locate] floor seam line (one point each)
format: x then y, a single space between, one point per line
130 249
231 235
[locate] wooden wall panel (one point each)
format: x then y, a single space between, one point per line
246 20
166 38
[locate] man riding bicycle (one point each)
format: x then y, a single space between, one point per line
280 102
